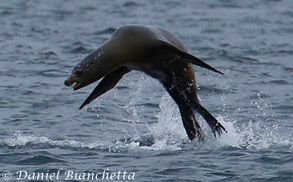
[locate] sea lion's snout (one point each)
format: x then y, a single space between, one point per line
74 82
68 82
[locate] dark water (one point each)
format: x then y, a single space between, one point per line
136 127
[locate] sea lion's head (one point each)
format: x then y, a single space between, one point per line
93 67
115 53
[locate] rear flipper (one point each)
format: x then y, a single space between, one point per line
214 124
190 123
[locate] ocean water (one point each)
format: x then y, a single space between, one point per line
135 128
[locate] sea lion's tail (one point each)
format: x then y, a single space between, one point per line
214 124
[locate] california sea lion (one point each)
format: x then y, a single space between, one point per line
159 54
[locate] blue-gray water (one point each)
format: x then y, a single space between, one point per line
136 127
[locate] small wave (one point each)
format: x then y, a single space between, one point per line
6 12
279 82
213 89
285 109
51 73
131 4
39 159
212 31
30 141
109 30
287 13
49 54
81 50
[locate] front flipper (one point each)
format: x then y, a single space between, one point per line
108 82
188 57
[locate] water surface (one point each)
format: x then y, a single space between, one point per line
136 127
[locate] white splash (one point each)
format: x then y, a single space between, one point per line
169 133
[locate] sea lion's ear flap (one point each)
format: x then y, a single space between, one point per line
188 57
